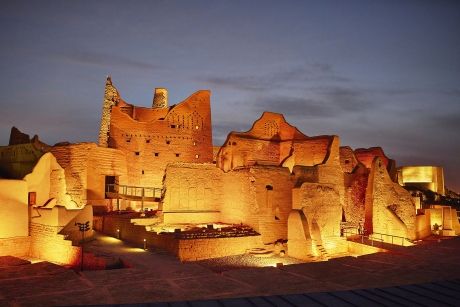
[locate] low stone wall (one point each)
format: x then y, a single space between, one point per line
43 243
48 245
422 226
16 246
122 228
199 249
184 249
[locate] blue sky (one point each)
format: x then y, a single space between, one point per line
376 73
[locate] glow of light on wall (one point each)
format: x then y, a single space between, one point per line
110 240
417 174
134 250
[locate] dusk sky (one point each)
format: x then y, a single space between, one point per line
376 73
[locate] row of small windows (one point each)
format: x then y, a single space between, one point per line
157 154
128 137
178 126
167 142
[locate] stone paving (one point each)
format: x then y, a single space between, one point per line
155 276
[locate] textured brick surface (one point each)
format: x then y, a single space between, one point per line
153 137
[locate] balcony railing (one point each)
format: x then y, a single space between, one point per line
133 192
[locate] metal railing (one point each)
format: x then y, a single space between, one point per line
374 237
133 191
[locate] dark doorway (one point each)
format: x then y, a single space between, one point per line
110 183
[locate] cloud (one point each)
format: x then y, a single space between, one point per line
105 60
294 77
450 122
415 91
222 129
326 102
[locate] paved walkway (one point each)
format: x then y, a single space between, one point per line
155 276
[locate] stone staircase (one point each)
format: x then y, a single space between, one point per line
322 252
260 252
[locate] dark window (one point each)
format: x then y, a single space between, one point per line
269 187
173 126
157 154
347 161
128 140
147 141
233 143
168 142
177 155
137 153
110 183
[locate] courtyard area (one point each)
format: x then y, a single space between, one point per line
156 276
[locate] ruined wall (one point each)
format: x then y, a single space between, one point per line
184 249
85 166
199 249
321 204
259 197
14 209
215 151
160 98
124 229
312 151
17 137
272 141
47 181
389 207
47 244
244 152
111 98
330 172
300 243
193 193
16 161
20 220
273 187
152 138
423 226
268 142
355 195
73 158
348 160
367 155
104 162
239 199
71 231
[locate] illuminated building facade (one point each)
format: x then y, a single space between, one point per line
424 177
273 181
